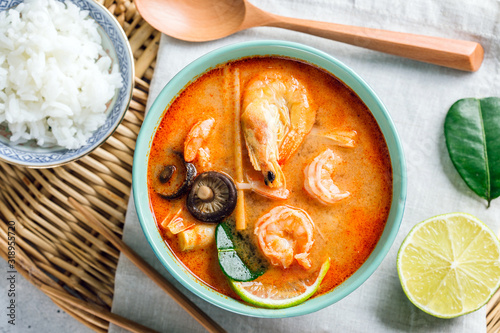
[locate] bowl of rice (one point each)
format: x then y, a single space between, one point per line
66 80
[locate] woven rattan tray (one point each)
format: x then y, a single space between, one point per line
55 249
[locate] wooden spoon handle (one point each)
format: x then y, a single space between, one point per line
458 54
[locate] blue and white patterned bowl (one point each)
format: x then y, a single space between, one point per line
116 44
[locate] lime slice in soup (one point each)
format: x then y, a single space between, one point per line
449 265
268 296
237 258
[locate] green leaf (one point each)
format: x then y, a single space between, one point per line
472 132
238 258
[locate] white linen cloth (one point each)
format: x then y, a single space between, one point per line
417 96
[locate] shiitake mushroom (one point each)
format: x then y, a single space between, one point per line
167 173
212 197
170 187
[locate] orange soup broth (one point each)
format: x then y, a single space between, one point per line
346 231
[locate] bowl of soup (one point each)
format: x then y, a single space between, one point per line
269 179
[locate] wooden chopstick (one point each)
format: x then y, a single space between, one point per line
31 273
97 311
208 323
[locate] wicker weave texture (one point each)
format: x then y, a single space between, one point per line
55 248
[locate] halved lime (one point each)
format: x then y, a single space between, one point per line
449 265
268 296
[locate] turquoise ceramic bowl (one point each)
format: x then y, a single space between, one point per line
279 48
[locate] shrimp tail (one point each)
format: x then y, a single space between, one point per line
303 260
290 144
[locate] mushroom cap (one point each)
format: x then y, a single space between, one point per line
163 178
167 173
216 207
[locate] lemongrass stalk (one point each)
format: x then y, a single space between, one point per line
240 203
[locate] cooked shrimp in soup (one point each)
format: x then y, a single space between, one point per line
318 181
285 234
194 143
309 182
275 120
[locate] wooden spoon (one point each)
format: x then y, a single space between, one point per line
204 20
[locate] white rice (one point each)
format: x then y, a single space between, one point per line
55 77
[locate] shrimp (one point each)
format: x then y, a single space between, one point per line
286 233
318 178
193 144
275 120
